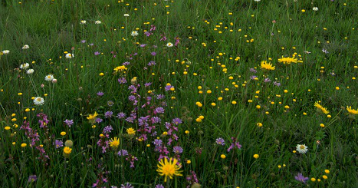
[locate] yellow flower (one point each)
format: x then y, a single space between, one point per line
67 151
23 145
63 133
168 168
289 60
352 111
120 68
92 118
7 128
131 131
223 156
256 156
326 171
114 143
320 107
267 66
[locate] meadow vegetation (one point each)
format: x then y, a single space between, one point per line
178 93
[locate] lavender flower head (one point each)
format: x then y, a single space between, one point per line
177 149
58 144
108 114
122 152
159 186
127 185
220 141
121 115
100 94
32 178
301 178
68 122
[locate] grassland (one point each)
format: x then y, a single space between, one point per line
239 93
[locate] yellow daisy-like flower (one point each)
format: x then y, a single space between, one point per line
352 111
168 168
131 131
120 68
92 117
289 60
267 66
114 143
321 108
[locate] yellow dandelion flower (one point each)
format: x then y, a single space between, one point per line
267 66
67 151
321 108
120 68
169 168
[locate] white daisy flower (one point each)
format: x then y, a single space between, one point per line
97 22
6 52
38 101
69 55
30 71
315 8
134 33
169 44
24 66
126 15
49 78
25 47
83 22
301 148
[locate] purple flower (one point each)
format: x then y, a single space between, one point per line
220 141
122 152
278 84
58 144
301 178
159 186
147 33
177 121
126 63
121 115
99 120
142 45
107 129
177 149
83 41
147 84
157 142
32 178
127 185
108 114
100 94
159 110
267 80
233 144
151 63
122 80
160 96
68 122
131 98
253 70
96 53
153 53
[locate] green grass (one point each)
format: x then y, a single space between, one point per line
220 41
